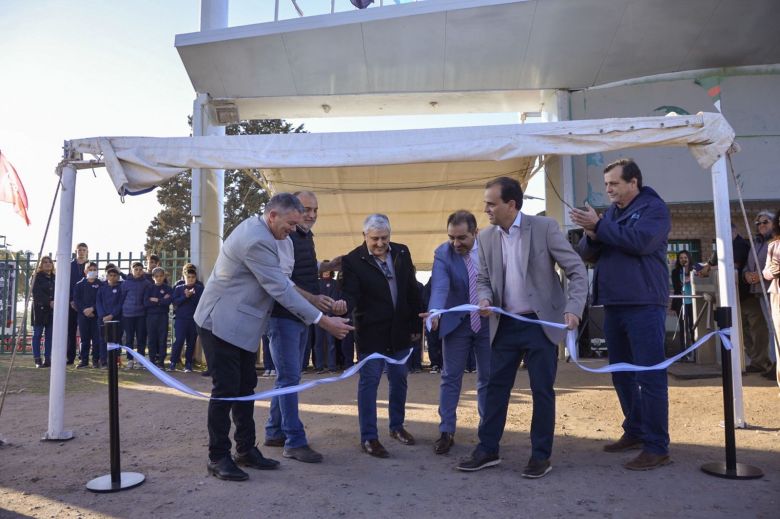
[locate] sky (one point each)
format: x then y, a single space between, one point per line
80 68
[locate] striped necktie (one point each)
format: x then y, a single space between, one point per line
476 323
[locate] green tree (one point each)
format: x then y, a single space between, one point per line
170 229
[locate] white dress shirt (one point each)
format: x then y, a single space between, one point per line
515 298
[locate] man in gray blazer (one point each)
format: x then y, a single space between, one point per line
517 257
232 316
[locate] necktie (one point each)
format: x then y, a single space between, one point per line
476 323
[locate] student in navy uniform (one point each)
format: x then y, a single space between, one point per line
85 299
76 274
185 300
134 312
109 307
43 310
157 300
122 275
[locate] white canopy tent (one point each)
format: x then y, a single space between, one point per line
417 177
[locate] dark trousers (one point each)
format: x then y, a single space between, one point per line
434 349
233 374
635 334
513 340
90 338
73 319
185 331
415 359
268 361
348 350
132 327
157 336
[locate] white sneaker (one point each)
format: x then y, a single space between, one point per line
266 373
131 364
273 373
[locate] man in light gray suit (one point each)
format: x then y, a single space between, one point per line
517 257
232 316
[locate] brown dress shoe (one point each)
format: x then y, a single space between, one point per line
625 443
403 436
648 461
374 448
444 443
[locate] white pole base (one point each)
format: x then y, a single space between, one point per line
62 436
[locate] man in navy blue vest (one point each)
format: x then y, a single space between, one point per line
289 336
453 283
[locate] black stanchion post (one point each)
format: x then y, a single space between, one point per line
731 469
116 480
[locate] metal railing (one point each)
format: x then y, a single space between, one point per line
17 269
299 6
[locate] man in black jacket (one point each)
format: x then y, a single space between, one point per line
382 295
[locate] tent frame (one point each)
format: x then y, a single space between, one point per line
73 161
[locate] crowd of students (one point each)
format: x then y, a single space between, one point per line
140 301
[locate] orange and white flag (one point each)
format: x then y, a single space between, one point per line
11 188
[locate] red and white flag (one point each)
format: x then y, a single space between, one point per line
11 188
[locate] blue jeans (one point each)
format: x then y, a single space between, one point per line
635 334
457 346
157 336
325 348
515 340
370 375
90 338
268 361
185 332
288 342
38 331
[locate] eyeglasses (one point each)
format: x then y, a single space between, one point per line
385 269
762 222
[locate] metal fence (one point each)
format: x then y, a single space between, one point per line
17 269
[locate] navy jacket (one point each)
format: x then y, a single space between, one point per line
630 253
305 272
76 275
43 295
184 307
85 295
133 296
109 301
164 295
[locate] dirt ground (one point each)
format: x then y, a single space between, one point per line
164 437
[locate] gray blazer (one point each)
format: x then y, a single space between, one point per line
239 295
543 246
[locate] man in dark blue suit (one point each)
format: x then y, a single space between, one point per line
454 282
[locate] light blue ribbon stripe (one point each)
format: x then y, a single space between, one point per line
263 395
571 340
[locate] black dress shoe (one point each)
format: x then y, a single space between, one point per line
374 448
444 443
255 459
403 436
226 469
479 460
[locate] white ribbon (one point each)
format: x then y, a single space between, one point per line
169 381
571 340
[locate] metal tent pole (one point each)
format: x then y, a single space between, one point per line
55 431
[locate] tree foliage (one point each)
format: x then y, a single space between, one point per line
170 229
